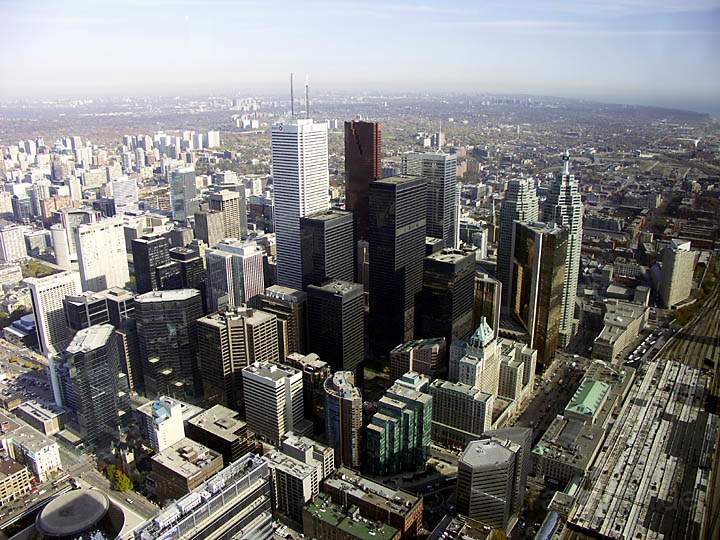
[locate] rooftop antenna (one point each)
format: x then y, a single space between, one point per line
307 96
292 97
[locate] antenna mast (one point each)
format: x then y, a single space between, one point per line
292 97
307 96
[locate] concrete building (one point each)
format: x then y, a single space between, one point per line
424 356
294 483
475 361
486 481
181 468
678 265
38 452
327 247
14 481
274 401
290 308
301 185
12 243
47 418
517 370
234 211
315 373
235 501
161 422
210 226
520 204
461 412
234 273
222 430
229 342
102 256
623 322
323 518
343 418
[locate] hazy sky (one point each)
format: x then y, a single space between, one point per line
663 52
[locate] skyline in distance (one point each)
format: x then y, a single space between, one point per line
633 51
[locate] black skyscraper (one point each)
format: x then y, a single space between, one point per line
327 247
336 323
397 248
148 254
363 164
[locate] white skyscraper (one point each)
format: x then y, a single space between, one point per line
520 204
234 273
125 194
102 256
301 183
161 422
564 208
12 243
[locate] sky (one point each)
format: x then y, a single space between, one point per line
656 52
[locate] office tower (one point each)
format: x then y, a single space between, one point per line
22 209
486 302
343 418
237 503
447 294
234 211
102 257
85 310
520 204
315 373
167 332
564 208
210 226
336 323
363 164
439 170
397 247
678 265
213 139
220 429
161 422
92 385
486 488
301 185
461 412
475 361
228 342
327 247
183 193
125 194
294 483
47 296
234 273
192 269
169 276
424 356
180 236
149 253
290 308
537 285
274 401
398 436
12 243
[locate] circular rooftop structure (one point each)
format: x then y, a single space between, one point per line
74 514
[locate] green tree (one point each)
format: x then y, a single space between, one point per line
122 481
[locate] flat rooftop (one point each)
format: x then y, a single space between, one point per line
91 338
393 500
328 215
348 521
186 457
39 411
486 453
167 296
220 421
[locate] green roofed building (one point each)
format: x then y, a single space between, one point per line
324 519
587 400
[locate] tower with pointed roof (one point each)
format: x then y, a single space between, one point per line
475 361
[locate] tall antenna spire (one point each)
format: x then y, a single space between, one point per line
292 97
566 163
307 96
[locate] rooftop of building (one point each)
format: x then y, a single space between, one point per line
289 465
9 467
461 528
220 421
428 343
349 521
72 513
328 215
186 458
167 296
91 338
451 255
287 294
249 315
588 397
460 388
342 384
31 439
42 412
486 453
270 371
338 287
398 180
160 409
393 500
309 362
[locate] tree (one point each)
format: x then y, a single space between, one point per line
122 481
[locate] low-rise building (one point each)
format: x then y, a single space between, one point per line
182 467
44 417
322 518
623 322
222 430
14 481
39 453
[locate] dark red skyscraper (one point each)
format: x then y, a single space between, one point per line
363 156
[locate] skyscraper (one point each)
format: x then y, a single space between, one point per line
564 208
326 240
93 387
678 264
424 356
538 283
290 308
234 273
125 193
149 253
192 269
234 211
301 185
520 204
363 164
397 248
447 295
102 256
336 323
343 418
486 303
183 193
440 171
12 243
228 342
210 226
167 332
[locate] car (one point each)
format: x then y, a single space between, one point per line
128 500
